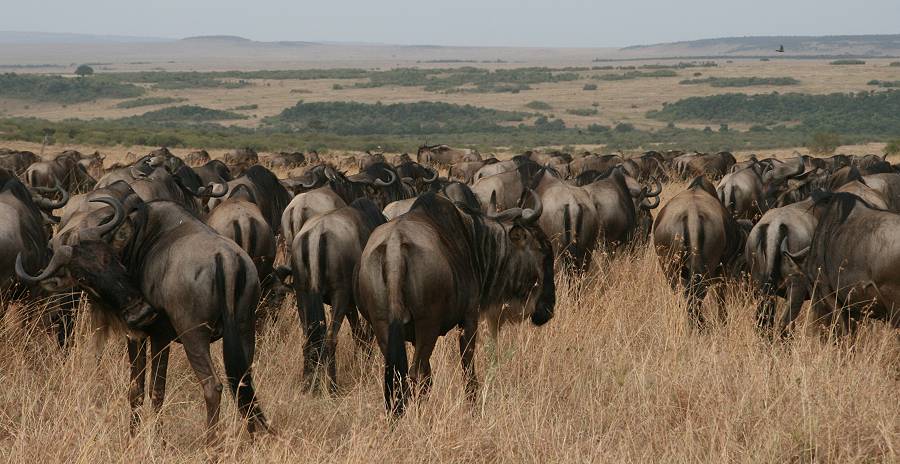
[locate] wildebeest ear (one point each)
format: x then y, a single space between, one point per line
518 235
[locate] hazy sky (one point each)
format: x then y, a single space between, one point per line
457 22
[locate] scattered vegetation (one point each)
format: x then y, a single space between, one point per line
635 75
847 62
149 101
538 105
246 107
43 88
895 64
466 79
741 81
859 113
589 87
682 65
885 84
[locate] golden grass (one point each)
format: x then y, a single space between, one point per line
616 376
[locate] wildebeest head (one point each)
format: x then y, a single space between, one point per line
531 289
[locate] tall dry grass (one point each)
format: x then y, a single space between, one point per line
616 376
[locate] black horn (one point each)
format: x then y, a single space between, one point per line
382 183
434 176
60 257
106 227
655 192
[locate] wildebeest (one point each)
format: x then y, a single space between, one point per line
162 272
64 169
617 215
265 190
599 163
197 158
526 167
324 255
439 267
465 171
741 192
569 219
239 218
851 264
648 165
712 165
788 229
22 228
420 177
456 192
283 160
444 156
240 160
698 243
17 161
368 158
213 172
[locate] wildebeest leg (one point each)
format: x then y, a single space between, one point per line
312 318
363 336
159 365
695 292
796 294
467 338
137 358
426 337
196 347
340 308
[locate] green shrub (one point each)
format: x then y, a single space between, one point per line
624 127
246 107
84 70
895 64
337 87
589 87
538 105
823 143
583 111
847 62
635 75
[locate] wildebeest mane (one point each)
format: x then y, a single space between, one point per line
371 216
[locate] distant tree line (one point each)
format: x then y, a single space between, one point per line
741 81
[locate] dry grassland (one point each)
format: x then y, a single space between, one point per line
619 101
616 376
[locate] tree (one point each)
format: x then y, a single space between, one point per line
823 143
84 70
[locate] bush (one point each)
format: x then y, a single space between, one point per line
847 62
823 143
892 148
895 64
246 107
583 111
538 105
589 87
337 87
860 113
635 75
148 101
624 127
187 113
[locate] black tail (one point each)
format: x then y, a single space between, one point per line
234 352
396 369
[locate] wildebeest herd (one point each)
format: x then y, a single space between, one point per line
186 249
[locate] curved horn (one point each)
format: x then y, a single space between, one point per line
212 190
530 216
434 176
315 180
382 183
107 226
648 205
655 192
59 259
46 203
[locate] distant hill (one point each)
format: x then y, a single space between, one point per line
20 37
837 45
